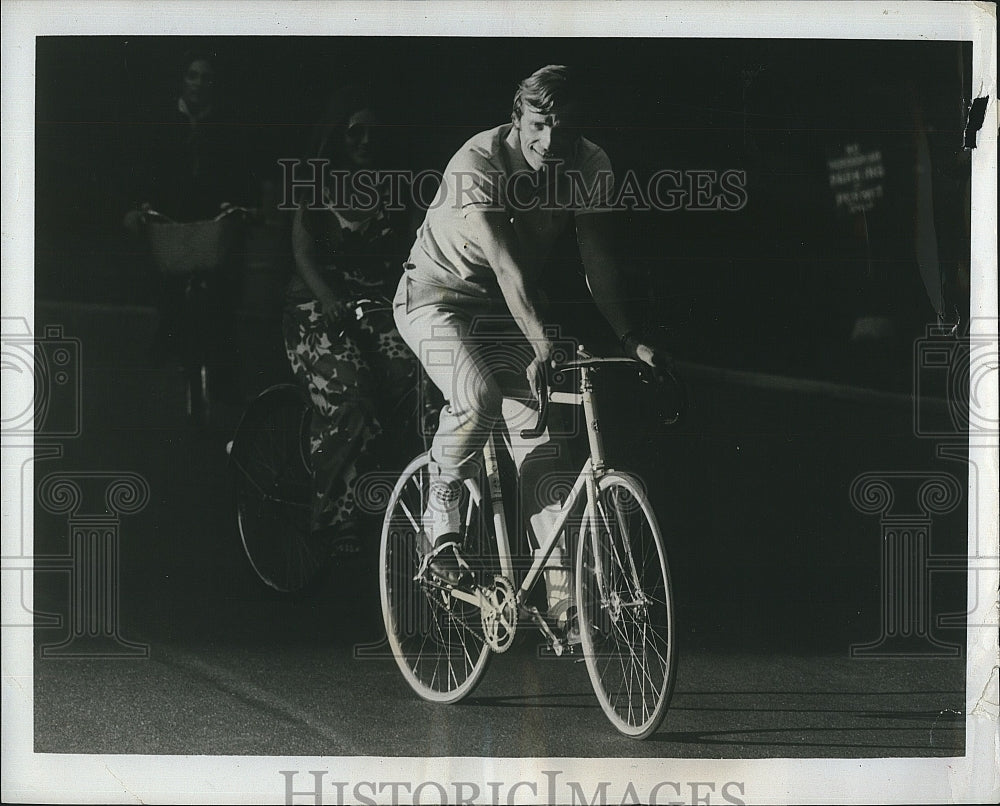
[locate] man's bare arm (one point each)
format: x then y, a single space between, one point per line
612 286
609 284
500 246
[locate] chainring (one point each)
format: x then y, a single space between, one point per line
499 614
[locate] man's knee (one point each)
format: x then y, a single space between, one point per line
476 398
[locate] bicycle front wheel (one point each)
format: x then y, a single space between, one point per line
625 607
436 640
273 482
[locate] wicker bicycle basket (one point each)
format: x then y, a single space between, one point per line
198 246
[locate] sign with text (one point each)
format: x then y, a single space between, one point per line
856 176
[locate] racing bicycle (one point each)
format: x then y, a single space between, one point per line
443 635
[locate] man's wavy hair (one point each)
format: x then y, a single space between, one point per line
550 87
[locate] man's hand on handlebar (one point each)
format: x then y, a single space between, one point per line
538 370
673 404
133 219
658 359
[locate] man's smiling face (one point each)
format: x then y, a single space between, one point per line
544 136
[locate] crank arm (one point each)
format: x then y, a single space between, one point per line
475 599
557 643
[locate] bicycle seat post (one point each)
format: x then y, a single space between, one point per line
491 468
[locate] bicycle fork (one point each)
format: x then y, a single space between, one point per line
598 466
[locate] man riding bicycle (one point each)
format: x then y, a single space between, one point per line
471 308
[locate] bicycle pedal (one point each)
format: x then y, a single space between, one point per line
556 649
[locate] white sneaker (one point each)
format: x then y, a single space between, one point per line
442 524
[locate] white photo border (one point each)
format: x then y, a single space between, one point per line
231 779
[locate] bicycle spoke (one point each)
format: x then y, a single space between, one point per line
642 667
441 654
628 650
607 530
409 516
273 492
465 647
631 678
625 531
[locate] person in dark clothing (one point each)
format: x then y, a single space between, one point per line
345 249
190 157
190 162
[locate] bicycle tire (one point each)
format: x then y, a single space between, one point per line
270 454
628 640
436 641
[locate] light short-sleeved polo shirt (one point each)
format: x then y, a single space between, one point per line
489 172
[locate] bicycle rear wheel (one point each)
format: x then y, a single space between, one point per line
437 641
270 453
625 607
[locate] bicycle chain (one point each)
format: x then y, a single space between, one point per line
482 632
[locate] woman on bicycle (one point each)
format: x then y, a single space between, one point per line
190 159
347 245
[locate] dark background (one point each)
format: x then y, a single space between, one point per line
776 286
754 488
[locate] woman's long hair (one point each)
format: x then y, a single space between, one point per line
328 139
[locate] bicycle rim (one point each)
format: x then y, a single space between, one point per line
273 493
437 641
626 616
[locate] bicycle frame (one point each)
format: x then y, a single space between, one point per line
587 479
442 634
